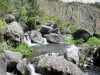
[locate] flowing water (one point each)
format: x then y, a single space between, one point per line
39 49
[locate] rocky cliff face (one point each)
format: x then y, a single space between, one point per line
74 13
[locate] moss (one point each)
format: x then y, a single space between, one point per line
93 41
81 59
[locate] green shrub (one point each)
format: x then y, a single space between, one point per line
93 41
3 26
23 48
63 26
77 42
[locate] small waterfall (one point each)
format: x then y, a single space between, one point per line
31 69
28 41
44 41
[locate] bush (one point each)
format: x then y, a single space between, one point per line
23 48
96 4
3 26
63 26
93 41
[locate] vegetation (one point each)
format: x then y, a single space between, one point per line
23 48
93 41
3 26
74 28
96 4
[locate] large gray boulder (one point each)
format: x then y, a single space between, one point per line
13 56
53 64
12 59
71 53
3 64
36 37
13 33
55 38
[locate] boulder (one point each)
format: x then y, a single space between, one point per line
9 18
12 59
21 66
53 64
3 64
13 56
81 34
46 30
36 37
96 56
55 38
86 56
13 33
57 31
71 53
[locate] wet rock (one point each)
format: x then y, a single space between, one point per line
55 38
53 64
36 37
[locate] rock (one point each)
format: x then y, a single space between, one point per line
36 37
86 56
57 31
55 38
3 65
71 52
97 35
14 33
12 59
14 56
96 56
9 18
81 34
53 64
75 13
3 47
21 66
46 30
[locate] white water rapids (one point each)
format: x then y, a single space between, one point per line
28 41
31 69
